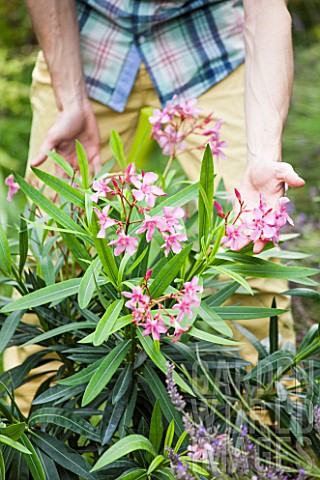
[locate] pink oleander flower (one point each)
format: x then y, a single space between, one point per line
104 221
178 331
281 216
13 187
145 189
154 326
138 315
172 216
262 226
170 140
160 116
195 452
124 243
101 188
216 147
192 288
137 298
172 241
184 307
149 225
188 109
235 239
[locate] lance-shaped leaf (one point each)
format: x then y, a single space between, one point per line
83 165
107 322
88 283
63 455
71 194
206 192
13 444
23 243
64 165
65 419
123 447
105 252
8 328
168 273
47 206
5 255
33 461
105 372
116 146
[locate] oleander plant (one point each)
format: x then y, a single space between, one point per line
120 280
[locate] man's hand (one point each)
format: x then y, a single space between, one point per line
270 179
74 123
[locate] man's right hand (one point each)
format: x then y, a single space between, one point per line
77 122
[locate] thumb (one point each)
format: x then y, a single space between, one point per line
290 177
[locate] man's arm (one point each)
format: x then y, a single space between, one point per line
268 85
56 26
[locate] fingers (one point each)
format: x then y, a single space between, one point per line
258 246
41 157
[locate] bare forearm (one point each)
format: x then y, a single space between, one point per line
269 74
56 26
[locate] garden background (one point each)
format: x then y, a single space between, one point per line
18 50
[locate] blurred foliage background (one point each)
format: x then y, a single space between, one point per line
301 140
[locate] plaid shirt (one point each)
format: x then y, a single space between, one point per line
186 46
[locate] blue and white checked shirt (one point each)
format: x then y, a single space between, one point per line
187 46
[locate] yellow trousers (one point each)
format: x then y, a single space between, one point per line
226 101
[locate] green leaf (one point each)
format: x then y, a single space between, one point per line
161 395
105 372
169 437
160 361
122 384
64 165
271 270
14 431
58 392
107 322
47 269
84 376
83 165
206 192
211 318
168 273
134 474
13 444
2 468
47 206
70 327
156 426
105 252
123 447
116 146
9 327
111 417
235 276
71 194
23 243
53 293
253 340
33 461
65 419
303 292
246 313
88 283
63 455
5 255
222 295
208 337
156 463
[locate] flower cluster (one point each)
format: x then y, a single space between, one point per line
180 118
151 319
262 223
168 224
